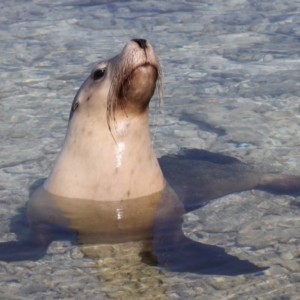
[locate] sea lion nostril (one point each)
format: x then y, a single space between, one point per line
141 42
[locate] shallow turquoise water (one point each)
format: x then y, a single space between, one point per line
231 85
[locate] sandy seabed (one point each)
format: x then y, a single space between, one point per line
231 85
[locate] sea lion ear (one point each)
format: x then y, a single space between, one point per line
75 105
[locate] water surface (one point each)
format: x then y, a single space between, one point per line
231 85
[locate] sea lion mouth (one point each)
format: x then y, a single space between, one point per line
136 76
140 67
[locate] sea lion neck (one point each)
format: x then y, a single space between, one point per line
106 165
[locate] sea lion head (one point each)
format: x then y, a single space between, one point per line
124 84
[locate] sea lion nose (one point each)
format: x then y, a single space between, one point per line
141 43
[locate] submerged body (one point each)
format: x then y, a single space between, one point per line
132 232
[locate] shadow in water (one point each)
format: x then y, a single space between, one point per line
146 231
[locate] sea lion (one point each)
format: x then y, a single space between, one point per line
107 153
107 167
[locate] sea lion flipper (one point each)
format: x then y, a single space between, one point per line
280 184
204 155
19 251
189 256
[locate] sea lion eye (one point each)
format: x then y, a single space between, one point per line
98 74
